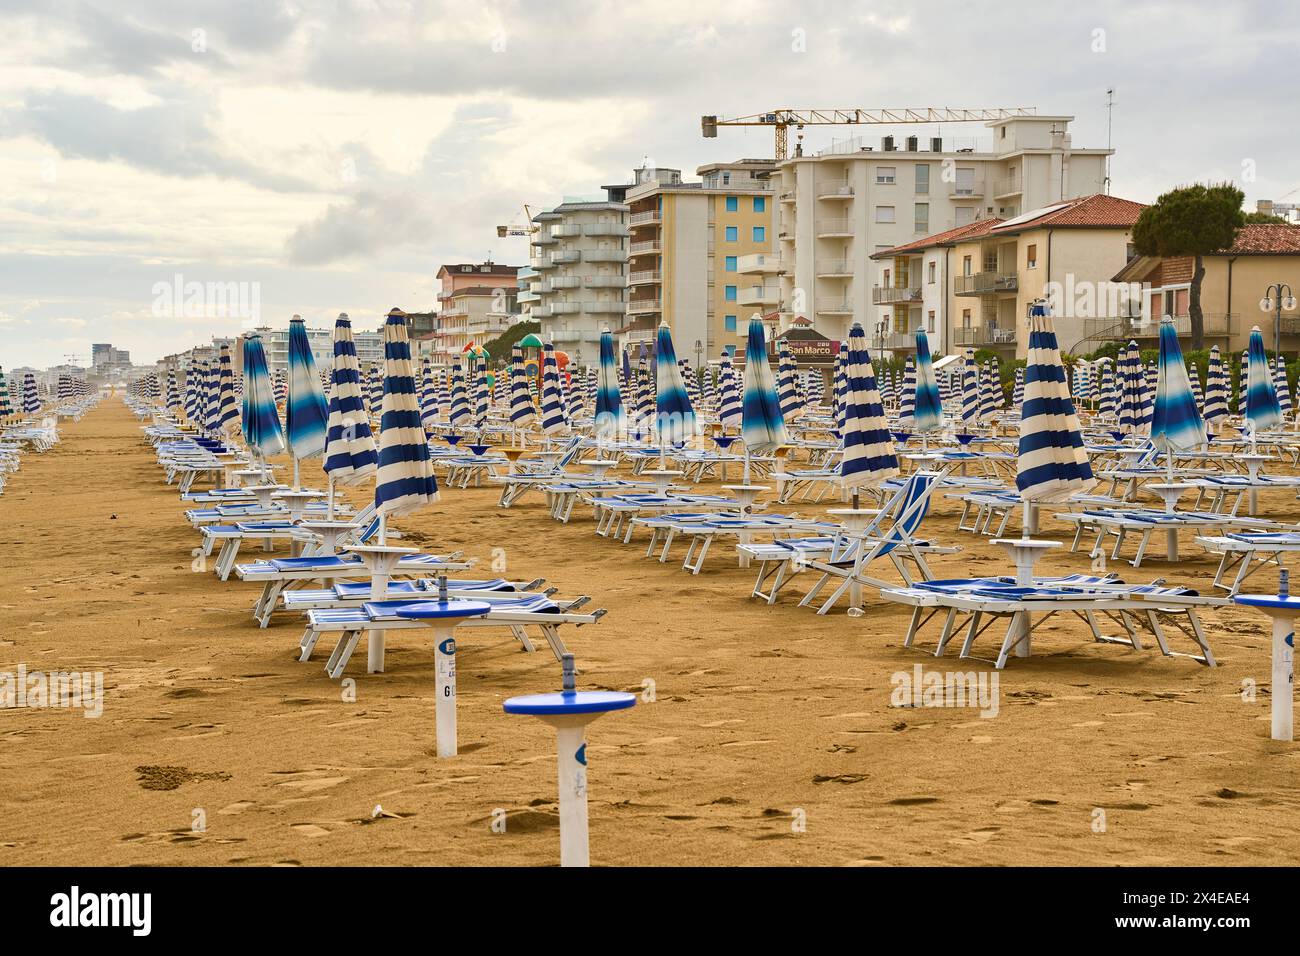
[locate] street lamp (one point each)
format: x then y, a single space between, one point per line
699 350
1277 295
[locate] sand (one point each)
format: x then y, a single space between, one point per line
770 739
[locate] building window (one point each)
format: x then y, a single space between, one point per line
729 322
922 179
760 204
1031 256
965 267
921 217
885 214
931 275
885 175
965 215
731 350
733 234
760 234
726 179
733 203
965 318
729 292
730 264
929 322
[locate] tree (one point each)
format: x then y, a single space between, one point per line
1263 218
498 349
1191 221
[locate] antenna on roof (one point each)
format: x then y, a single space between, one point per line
1110 109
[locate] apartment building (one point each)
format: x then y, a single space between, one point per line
700 256
477 301
1236 280
838 208
576 281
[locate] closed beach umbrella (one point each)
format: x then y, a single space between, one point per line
1109 406
1216 391
306 414
674 416
1176 424
1018 389
261 424
193 392
841 390
227 411
730 408
482 398
553 419
5 409
212 407
174 404
907 403
1132 415
31 397
522 410
970 391
763 427
460 412
350 454
1281 385
405 481
991 396
428 396
868 448
1262 409
928 414
609 402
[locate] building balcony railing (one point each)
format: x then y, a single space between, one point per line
566 257
559 282
836 308
544 239
986 283
834 193
833 269
605 282
895 341
890 296
633 336
984 335
566 231
971 190
525 297
565 308
645 247
605 229
759 295
641 218
761 262
635 306
787 196
1012 186
1125 328
833 227
605 307
645 277
540 312
604 255
574 335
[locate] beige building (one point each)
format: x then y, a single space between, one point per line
700 256
839 208
476 303
576 281
1236 280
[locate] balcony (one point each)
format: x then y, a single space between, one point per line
834 269
566 308
787 196
605 307
891 296
540 312
545 239
836 308
759 295
605 282
559 282
604 255
835 193
564 258
566 231
573 335
526 297
639 306
895 341
633 336
831 228
761 263
647 247
986 283
642 218
605 229
1217 324
971 190
1013 186
984 336
645 277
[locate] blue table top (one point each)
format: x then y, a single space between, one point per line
441 609
569 702
1291 602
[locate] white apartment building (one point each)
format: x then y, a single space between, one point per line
576 281
838 207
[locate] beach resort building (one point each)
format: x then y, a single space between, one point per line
477 301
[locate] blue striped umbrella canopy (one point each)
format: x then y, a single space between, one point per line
1018 390
279 387
572 391
482 398
1262 408
1281 385
708 388
609 402
306 415
1132 417
907 403
261 423
1052 463
763 428
350 454
460 413
730 409
1109 403
404 482
791 404
887 392
1176 424
5 410
212 407
428 396
814 387
869 456
841 390
65 385
227 411
375 390
928 415
690 382
553 419
522 410
1216 389
970 390
674 415
1194 377
1243 382
991 396
174 404
193 388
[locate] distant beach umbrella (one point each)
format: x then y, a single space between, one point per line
730 408
482 396
970 390
553 419
5 408
763 428
227 411
1281 385
928 415
350 453
1262 408
609 402
869 456
428 396
306 414
791 404
840 392
193 392
460 410
174 404
212 408
1243 382
1132 413
1018 389
674 415
1216 390
522 410
1176 423
405 481
991 395
907 395
279 387
261 424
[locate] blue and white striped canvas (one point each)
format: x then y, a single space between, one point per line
674 416
31 398
730 409
1176 424
553 418
928 414
991 397
5 409
228 411
1018 389
1243 382
609 402
1052 464
763 428
841 390
404 482
261 422
460 410
1109 404
193 392
791 404
306 416
907 401
1262 408
428 396
1132 415
869 456
350 454
482 397
521 399
212 404
1216 390
970 390
1281 385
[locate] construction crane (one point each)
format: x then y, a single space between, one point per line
526 228
781 119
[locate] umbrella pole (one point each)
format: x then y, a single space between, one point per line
297 481
746 481
383 529
329 513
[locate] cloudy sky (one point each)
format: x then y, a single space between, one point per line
332 154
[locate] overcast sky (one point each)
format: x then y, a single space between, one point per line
332 155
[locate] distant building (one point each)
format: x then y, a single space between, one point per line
103 357
477 301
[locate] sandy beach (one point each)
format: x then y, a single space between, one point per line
770 739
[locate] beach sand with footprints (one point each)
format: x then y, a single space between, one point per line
771 739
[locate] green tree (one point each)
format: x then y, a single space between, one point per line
498 349
1191 221
1264 219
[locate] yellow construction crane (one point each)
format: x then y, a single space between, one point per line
781 119
526 228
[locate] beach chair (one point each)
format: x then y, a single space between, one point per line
1241 550
514 487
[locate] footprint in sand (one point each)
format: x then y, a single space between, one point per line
309 830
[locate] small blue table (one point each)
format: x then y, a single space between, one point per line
444 616
1282 608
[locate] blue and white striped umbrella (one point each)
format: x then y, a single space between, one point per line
572 396
730 409
428 396
460 411
907 403
1109 406
174 404
609 402
791 404
1243 382
1018 390
888 394
227 410
193 392
482 397
1176 424
645 400
5 409
1052 464
404 482
280 387
522 410
553 419
1132 414
350 454
306 416
31 398
763 428
1194 379
674 416
840 393
1262 408
375 390
1216 390
991 396
261 424
212 407
928 414
970 390
1281 385
869 456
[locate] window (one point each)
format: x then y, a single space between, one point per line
730 293
929 322
760 234
760 204
731 349
1002 132
922 179
965 270
726 179
732 234
1031 255
729 322
930 278
730 263
885 175
921 217
885 214
887 274
965 215
733 203
965 317
965 181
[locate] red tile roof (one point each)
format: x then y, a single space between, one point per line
1265 239
1096 211
971 230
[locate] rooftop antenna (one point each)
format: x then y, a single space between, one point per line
1110 109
